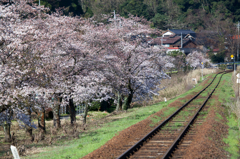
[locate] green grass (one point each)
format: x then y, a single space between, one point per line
155 119
203 112
178 124
225 93
199 101
233 137
94 139
219 116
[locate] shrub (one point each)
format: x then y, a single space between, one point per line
95 106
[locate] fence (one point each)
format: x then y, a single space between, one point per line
63 110
80 108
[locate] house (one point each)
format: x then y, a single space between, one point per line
179 32
166 41
185 43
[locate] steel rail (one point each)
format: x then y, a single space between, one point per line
175 143
135 147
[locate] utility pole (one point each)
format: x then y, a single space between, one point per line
39 2
114 16
181 41
238 25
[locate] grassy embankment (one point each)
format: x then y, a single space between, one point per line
231 102
96 137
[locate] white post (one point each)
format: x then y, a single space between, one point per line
14 152
39 2
202 71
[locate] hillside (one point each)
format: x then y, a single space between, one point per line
200 14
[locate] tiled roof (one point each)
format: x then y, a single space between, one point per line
180 31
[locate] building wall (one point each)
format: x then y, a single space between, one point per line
166 45
167 34
169 50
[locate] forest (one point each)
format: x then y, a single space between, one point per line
164 14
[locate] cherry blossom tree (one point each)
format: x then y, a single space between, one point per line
71 60
19 66
129 65
195 59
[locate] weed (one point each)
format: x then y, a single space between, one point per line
178 124
151 125
219 116
80 146
203 112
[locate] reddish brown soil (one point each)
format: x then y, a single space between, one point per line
208 142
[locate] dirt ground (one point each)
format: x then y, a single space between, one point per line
28 147
52 137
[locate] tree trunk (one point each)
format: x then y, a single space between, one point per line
85 114
6 127
72 111
41 121
127 102
119 102
56 116
128 99
29 128
56 111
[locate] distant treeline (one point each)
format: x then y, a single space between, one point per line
192 14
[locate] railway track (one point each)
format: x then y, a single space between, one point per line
173 136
